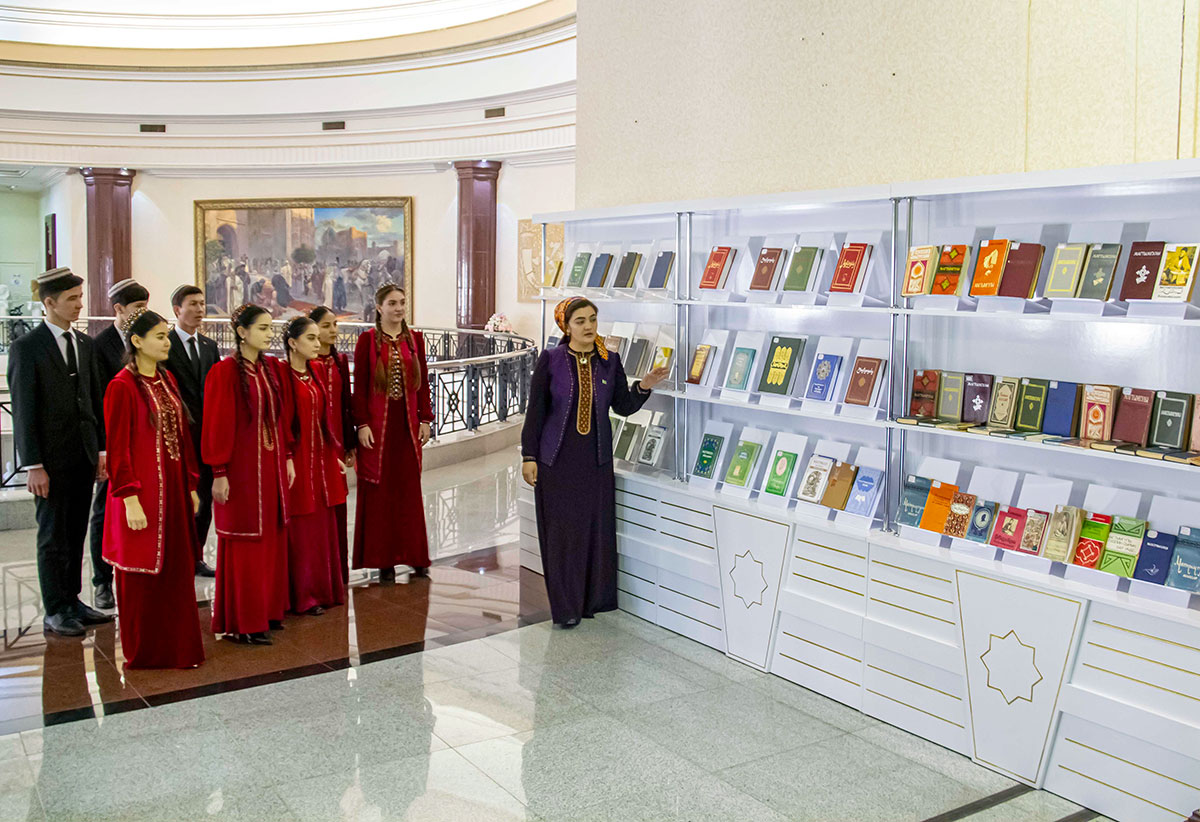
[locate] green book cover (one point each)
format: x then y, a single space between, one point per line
1123 546
801 267
1096 282
950 397
1117 562
780 370
579 269
783 465
739 369
706 458
1031 405
742 465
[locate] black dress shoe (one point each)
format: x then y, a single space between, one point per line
103 596
387 574
63 625
316 610
202 569
571 623
260 639
275 625
89 615
420 572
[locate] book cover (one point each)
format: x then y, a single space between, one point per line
661 272
1065 269
912 500
918 274
924 397
599 271
1031 404
1010 525
717 267
816 477
977 398
1141 272
1177 274
951 264
553 274
865 375
937 506
865 493
1062 533
615 343
1061 418
851 265
1021 270
663 355
1132 420
740 367
1093 534
841 483
741 464
989 268
1099 402
1185 563
1170 417
779 475
783 355
627 270
1003 413
1154 558
637 355
1098 271
699 366
707 456
652 446
823 380
579 269
959 519
628 441
1035 530
1124 542
802 268
983 517
769 263
950 397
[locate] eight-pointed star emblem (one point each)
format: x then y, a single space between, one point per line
749 583
1011 667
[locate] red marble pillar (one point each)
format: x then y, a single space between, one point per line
476 241
109 193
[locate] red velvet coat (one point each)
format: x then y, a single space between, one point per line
319 477
232 442
336 379
371 406
137 461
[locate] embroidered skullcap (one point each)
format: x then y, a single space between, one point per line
119 286
562 313
57 280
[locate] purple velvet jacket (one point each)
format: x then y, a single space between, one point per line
552 393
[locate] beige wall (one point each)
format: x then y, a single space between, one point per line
692 98
20 243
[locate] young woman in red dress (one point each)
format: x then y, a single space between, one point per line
149 533
335 368
314 574
393 412
245 442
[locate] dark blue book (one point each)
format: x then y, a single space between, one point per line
599 271
1154 558
912 500
823 380
1062 409
662 269
1185 563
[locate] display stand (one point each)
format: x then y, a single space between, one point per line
800 381
1113 501
1109 232
994 485
793 443
941 470
1041 493
1023 233
763 438
957 235
865 458
1171 231
830 346
1167 514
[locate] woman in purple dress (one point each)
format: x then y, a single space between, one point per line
567 451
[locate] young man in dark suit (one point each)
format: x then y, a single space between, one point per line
192 355
58 428
126 297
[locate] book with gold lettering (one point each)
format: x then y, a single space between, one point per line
767 269
1132 420
779 371
989 268
864 377
1141 272
1003 414
950 397
1065 269
1170 418
701 361
579 269
850 273
1021 270
951 264
1178 273
1031 405
922 264
1098 271
716 270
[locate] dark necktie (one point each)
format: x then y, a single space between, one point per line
72 363
195 356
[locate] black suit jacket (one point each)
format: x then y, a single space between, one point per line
191 387
110 354
55 424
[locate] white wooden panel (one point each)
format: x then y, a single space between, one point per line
525 510
751 554
531 560
643 608
699 590
637 549
848 693
690 566
944 655
671 512
703 552
924 699
816 646
818 611
690 627
637 568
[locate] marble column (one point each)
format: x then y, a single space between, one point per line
109 193
476 241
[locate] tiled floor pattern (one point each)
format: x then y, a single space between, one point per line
617 720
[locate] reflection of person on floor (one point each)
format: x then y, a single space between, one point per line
314 574
150 533
244 441
336 375
393 412
567 451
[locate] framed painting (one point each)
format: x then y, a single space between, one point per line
291 255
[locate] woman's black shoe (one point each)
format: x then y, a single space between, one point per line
275 624
387 574
420 572
260 638
316 610
240 639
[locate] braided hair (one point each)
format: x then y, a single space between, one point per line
383 363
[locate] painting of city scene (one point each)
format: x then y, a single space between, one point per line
291 255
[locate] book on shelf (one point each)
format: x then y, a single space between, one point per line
1177 274
708 455
977 398
1183 457
742 463
1003 413
627 270
740 367
1169 420
702 359
615 343
628 442
1093 534
664 355
553 274
983 517
1021 270
951 264
1132 421
924 397
866 380
950 396
1010 525
1061 418
989 268
1098 271
823 379
1154 558
1185 562
1035 531
661 273
920 269
863 496
1141 272
959 518
779 475
638 350
912 500
803 268
1065 270
839 486
1124 543
850 274
937 506
779 371
767 269
599 273
1062 533
1031 405
814 479
1099 405
716 270
652 446
579 269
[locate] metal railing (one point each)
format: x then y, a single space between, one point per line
475 377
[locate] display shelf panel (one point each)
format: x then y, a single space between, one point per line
920 698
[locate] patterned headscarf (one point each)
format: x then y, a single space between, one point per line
562 312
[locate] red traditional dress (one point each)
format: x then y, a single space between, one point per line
389 521
314 573
150 455
336 379
244 440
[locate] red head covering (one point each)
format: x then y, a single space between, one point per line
562 312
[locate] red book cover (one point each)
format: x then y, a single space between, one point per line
924 393
1010 525
1091 546
1141 272
1021 270
764 270
715 266
950 268
850 265
1133 416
